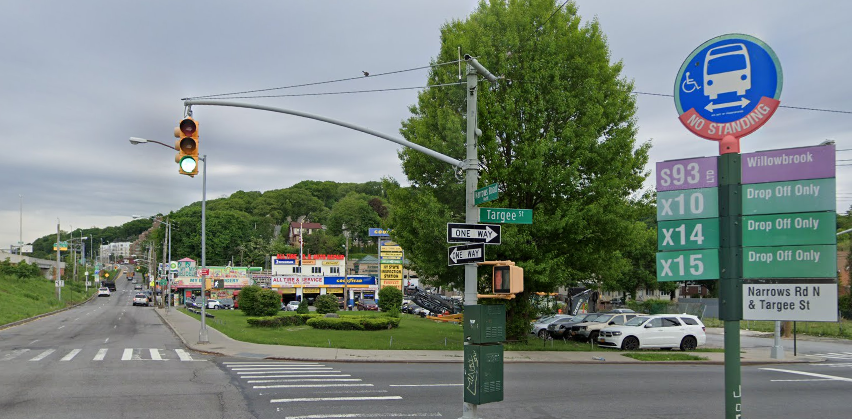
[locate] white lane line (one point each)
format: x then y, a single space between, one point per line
107 340
79 318
295 376
281 369
117 325
804 379
322 380
810 374
71 355
155 354
426 385
336 399
368 415
100 355
269 363
33 341
274 366
183 355
43 355
128 354
313 385
60 327
843 365
13 354
286 370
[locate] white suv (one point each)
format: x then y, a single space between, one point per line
682 331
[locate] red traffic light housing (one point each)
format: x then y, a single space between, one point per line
187 147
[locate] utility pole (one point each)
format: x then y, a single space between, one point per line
58 288
165 269
202 334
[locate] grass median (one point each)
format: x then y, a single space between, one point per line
841 329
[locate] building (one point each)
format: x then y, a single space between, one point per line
313 275
45 265
118 250
298 230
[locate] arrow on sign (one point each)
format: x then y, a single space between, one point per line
741 103
468 253
473 233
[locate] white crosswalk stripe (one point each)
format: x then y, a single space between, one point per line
71 355
102 354
43 355
834 355
13 354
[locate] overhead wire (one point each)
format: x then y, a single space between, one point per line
391 89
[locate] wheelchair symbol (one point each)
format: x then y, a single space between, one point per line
690 84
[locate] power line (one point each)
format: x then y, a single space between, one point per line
780 106
365 76
338 93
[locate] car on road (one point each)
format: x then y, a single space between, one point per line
666 331
589 330
561 328
103 292
140 299
539 327
137 287
369 305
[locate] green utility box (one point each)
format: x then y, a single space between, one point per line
483 373
484 324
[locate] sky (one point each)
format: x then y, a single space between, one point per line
77 79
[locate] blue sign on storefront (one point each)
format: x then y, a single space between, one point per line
351 280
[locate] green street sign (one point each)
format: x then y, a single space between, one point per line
161 281
488 193
688 234
391 261
789 229
688 204
813 261
505 215
688 265
789 197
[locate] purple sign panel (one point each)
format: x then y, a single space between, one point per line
788 164
701 172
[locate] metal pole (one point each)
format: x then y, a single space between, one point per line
777 350
21 228
165 267
58 289
202 334
471 166
169 276
346 276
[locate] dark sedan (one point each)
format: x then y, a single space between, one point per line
369 305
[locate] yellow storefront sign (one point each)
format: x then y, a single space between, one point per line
384 249
391 275
288 290
392 283
311 290
334 290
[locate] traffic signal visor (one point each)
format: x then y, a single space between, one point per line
187 147
508 279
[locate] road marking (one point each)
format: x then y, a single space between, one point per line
810 374
115 326
71 355
128 354
43 355
834 355
272 365
368 415
13 354
313 385
269 363
286 371
426 385
804 379
155 354
840 365
183 355
100 355
273 369
294 376
60 327
335 399
76 319
33 341
302 380
107 340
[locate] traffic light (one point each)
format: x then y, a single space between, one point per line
187 147
508 279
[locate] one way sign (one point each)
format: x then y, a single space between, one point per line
473 233
467 253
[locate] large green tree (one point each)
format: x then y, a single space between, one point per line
558 137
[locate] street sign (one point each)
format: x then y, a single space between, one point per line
688 265
688 204
391 255
467 253
797 301
694 173
391 261
815 162
789 197
473 233
505 215
688 234
789 229
62 246
486 194
730 85
204 272
378 232
812 261
394 248
173 266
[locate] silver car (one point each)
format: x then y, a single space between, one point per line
539 327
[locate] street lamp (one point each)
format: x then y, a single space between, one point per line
168 293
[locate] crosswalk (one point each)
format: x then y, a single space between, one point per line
834 355
102 354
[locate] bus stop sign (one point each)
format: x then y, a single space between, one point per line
730 85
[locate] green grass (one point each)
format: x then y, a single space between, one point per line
413 333
842 329
664 356
24 298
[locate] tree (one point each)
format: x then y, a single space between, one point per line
390 297
355 212
326 303
558 137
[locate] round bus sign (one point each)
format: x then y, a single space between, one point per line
730 85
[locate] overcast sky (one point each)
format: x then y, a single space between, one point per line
77 79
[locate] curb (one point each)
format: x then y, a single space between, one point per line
179 336
39 316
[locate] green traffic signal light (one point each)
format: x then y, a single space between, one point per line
188 164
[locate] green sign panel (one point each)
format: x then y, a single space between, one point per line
688 265
813 261
688 234
688 204
488 193
505 215
789 197
789 229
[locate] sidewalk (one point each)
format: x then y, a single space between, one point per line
187 329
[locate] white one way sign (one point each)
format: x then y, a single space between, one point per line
473 233
466 253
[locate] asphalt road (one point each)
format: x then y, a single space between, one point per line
108 359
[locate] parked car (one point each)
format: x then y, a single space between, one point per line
682 331
292 306
226 303
140 300
196 303
213 304
561 328
539 327
369 305
103 292
589 330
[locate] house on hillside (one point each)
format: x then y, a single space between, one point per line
299 229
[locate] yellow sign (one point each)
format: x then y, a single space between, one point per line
306 262
391 249
287 290
311 290
392 268
391 275
334 290
392 255
396 283
331 263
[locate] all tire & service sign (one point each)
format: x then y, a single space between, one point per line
730 85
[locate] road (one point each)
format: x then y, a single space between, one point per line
108 359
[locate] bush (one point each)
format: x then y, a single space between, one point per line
279 321
303 307
353 323
255 301
326 303
389 297
248 300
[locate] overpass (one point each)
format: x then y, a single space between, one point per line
44 264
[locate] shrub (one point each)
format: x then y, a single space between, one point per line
303 307
389 297
326 303
394 312
346 323
255 301
379 323
248 300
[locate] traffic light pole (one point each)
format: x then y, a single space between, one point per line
202 334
